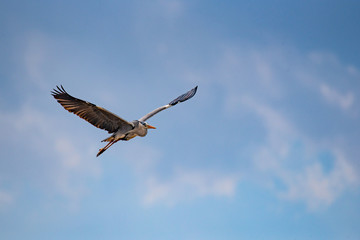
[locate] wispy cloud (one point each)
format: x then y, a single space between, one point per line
56 163
263 83
257 81
35 58
181 185
287 158
186 185
171 8
318 188
345 101
5 199
300 171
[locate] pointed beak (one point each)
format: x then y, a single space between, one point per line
149 126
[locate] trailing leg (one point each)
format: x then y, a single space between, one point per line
106 147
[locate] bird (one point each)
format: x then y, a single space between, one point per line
119 128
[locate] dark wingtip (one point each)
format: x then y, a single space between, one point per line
184 97
58 90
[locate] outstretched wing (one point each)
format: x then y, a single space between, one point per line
97 116
177 100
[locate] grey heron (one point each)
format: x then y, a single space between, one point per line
104 119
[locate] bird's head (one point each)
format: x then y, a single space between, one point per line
147 126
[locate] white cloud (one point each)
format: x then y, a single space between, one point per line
303 181
168 10
5 199
72 158
180 185
143 158
352 70
275 72
189 184
318 188
57 166
35 58
171 8
279 130
240 69
345 101
263 82
254 80
41 153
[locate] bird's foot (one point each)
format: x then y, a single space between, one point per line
101 150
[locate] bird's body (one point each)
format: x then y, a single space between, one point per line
138 129
104 119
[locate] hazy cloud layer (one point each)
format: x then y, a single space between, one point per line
258 82
56 165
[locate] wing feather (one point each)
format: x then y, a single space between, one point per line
97 116
184 97
181 98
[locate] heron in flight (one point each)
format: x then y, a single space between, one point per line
104 119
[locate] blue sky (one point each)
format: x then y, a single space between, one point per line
267 149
